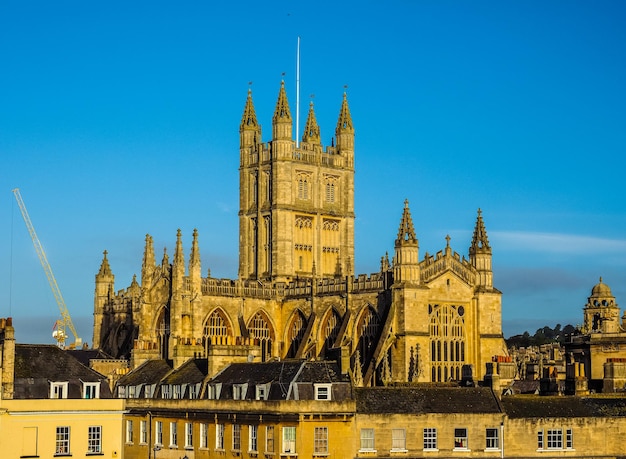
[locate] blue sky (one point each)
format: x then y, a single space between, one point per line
119 119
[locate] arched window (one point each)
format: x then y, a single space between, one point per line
447 341
330 330
162 331
366 333
216 330
260 330
295 333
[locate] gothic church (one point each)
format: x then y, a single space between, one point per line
296 296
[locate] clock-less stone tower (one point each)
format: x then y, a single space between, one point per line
296 206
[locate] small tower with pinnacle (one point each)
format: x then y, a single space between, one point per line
406 258
296 206
480 254
105 286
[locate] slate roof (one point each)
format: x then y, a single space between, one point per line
190 372
149 372
38 364
536 406
259 373
84 356
423 400
322 372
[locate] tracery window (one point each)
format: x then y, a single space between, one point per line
330 329
367 332
260 330
296 333
447 341
216 329
303 181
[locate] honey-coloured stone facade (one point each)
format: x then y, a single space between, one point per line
432 319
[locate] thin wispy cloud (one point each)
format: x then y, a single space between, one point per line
561 243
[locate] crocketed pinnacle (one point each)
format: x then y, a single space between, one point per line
344 123
282 113
194 257
148 254
406 232
179 258
248 120
311 128
105 269
480 242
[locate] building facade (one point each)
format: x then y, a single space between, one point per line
434 318
52 405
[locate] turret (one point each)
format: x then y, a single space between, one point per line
406 259
345 130
311 133
195 270
105 282
178 265
282 122
148 265
249 129
480 254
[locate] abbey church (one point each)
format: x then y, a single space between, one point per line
297 296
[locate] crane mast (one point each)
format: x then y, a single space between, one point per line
60 333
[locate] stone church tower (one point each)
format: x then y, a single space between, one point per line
437 319
296 205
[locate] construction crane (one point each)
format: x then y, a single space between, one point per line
61 326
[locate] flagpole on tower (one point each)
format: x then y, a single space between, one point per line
298 94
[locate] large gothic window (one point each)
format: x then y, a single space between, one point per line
366 333
330 330
303 182
447 342
261 331
216 330
330 245
303 243
162 331
295 333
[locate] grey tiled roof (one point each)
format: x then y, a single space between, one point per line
36 365
192 371
149 372
537 406
428 399
259 373
322 372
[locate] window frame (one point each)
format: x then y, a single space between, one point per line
236 440
173 434
270 440
58 389
91 388
94 440
143 432
204 435
320 441
492 442
129 431
62 441
219 437
398 440
158 433
461 439
253 438
188 435
289 439
323 392
430 438
367 437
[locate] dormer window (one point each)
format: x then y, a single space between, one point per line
322 391
262 391
91 389
58 389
